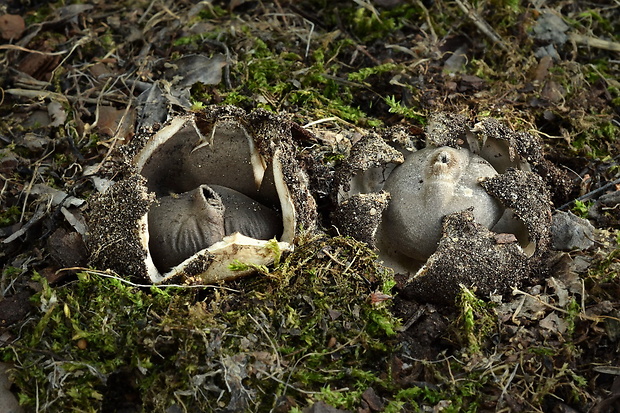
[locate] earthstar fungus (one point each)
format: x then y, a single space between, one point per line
465 206
431 184
203 192
466 209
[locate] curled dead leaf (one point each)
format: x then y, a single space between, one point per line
12 26
378 297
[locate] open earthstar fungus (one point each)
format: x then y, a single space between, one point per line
202 193
466 210
222 187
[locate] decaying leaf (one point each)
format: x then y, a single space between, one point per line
11 26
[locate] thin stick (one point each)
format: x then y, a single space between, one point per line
23 49
591 194
482 25
106 275
273 345
595 42
512 376
427 16
516 291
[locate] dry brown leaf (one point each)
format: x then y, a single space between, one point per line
39 66
110 118
12 26
554 324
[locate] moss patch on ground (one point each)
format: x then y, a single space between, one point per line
308 329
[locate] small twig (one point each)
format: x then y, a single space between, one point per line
336 260
38 94
582 314
516 291
116 277
23 49
273 345
26 191
281 11
482 25
450 372
309 37
370 8
319 121
594 42
80 42
368 55
286 384
45 94
591 194
415 317
512 376
36 404
337 349
425 361
427 16
349 265
146 12
517 311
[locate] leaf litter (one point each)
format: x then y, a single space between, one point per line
328 327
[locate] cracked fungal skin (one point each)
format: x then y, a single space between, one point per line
469 255
115 216
359 216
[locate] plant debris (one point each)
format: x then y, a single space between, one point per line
326 327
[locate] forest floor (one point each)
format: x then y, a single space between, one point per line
327 328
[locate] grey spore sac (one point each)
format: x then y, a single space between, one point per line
182 224
432 183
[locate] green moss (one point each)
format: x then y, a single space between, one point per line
240 266
107 41
41 14
598 138
476 322
597 69
460 396
581 208
366 72
310 324
313 88
614 92
9 216
185 40
513 5
342 400
406 112
212 12
604 268
369 23
92 329
591 18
